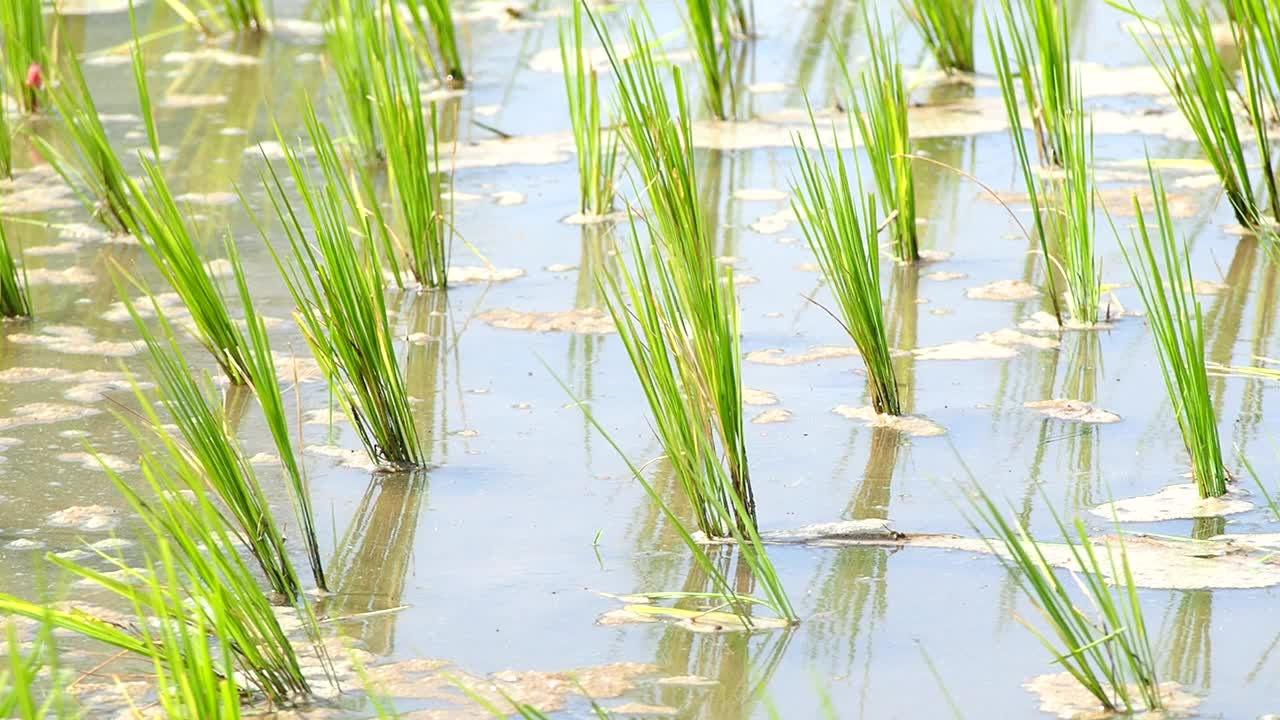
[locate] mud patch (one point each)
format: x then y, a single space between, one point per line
1072 411
751 396
1003 291
779 357
966 350
75 340
769 417
44 413
913 425
588 321
1063 696
474 274
99 462
1011 337
1176 502
85 517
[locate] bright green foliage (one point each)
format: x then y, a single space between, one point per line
1062 202
1039 34
597 148
261 367
1256 29
195 591
1185 54
882 125
197 412
353 38
676 312
93 170
1108 652
15 295
841 224
413 160
947 28
246 14
336 281
23 47
446 57
20 677
1006 73
6 138
684 333
710 24
1161 269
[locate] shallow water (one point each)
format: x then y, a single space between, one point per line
487 560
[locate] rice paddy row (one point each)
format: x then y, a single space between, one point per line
674 306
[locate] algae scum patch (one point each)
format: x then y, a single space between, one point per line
240 336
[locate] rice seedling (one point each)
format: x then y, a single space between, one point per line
947 28
352 37
94 169
1161 268
1108 651
15 293
597 148
1063 201
710 28
682 333
750 548
1005 72
196 412
202 620
1184 53
1256 33
1040 38
338 288
261 368
882 125
6 139
841 225
413 160
676 312
24 51
446 57
246 15
20 679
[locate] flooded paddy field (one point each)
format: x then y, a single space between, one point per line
514 561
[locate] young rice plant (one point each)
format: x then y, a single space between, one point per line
447 59
1039 34
1161 268
15 294
710 26
841 224
597 148
947 28
23 50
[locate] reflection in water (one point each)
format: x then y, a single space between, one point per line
741 664
373 559
433 344
851 593
594 266
829 20
1187 646
873 495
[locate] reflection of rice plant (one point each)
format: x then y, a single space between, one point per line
446 58
1161 269
1108 652
15 295
841 225
336 281
20 677
24 52
1040 37
947 28
1185 54
413 159
711 30
93 170
597 148
882 124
